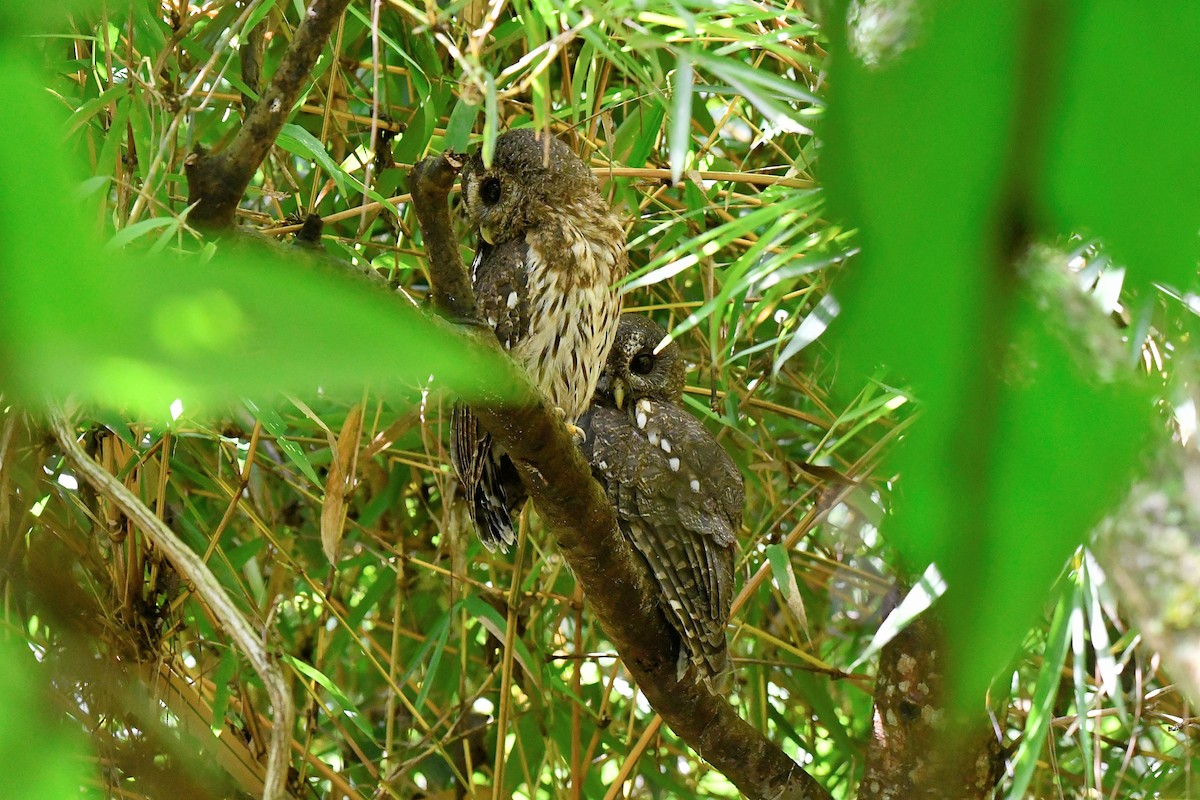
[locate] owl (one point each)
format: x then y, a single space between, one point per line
677 494
549 251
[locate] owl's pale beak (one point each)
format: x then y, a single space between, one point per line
486 234
618 391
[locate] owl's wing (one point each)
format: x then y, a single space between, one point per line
500 278
494 489
678 498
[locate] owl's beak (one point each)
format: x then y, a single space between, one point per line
486 234
618 391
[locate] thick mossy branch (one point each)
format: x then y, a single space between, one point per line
217 181
919 746
616 581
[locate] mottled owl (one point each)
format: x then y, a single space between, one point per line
677 494
549 252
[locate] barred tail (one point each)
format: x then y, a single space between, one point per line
494 490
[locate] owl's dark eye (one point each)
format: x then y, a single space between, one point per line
489 191
642 364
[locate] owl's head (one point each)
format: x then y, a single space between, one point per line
637 367
532 175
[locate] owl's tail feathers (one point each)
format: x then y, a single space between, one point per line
715 665
493 487
492 510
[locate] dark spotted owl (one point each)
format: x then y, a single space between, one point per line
677 494
549 251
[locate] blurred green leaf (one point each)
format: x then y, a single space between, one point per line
1003 472
48 757
1122 160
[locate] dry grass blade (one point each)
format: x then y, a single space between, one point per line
340 482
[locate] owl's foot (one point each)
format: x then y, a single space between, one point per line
577 433
472 322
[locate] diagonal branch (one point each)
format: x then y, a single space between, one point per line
217 181
615 579
189 565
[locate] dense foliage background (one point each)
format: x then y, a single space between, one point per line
707 122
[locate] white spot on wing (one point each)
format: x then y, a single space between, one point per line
512 299
641 419
673 463
666 446
695 484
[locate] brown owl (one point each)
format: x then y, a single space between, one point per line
549 251
677 494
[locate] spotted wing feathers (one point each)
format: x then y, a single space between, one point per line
500 278
678 497
494 490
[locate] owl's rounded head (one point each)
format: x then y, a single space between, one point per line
637 367
532 175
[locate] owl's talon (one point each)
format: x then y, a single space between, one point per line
577 433
472 322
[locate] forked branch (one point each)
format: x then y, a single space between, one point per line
217 181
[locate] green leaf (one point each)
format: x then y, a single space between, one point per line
1041 710
681 116
137 230
785 581
297 140
458 129
222 679
491 619
259 13
275 425
349 709
491 122
437 647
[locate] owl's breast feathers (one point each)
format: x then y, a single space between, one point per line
574 258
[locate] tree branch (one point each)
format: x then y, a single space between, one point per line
217 182
615 579
912 725
208 589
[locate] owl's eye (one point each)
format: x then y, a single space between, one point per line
489 191
642 364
